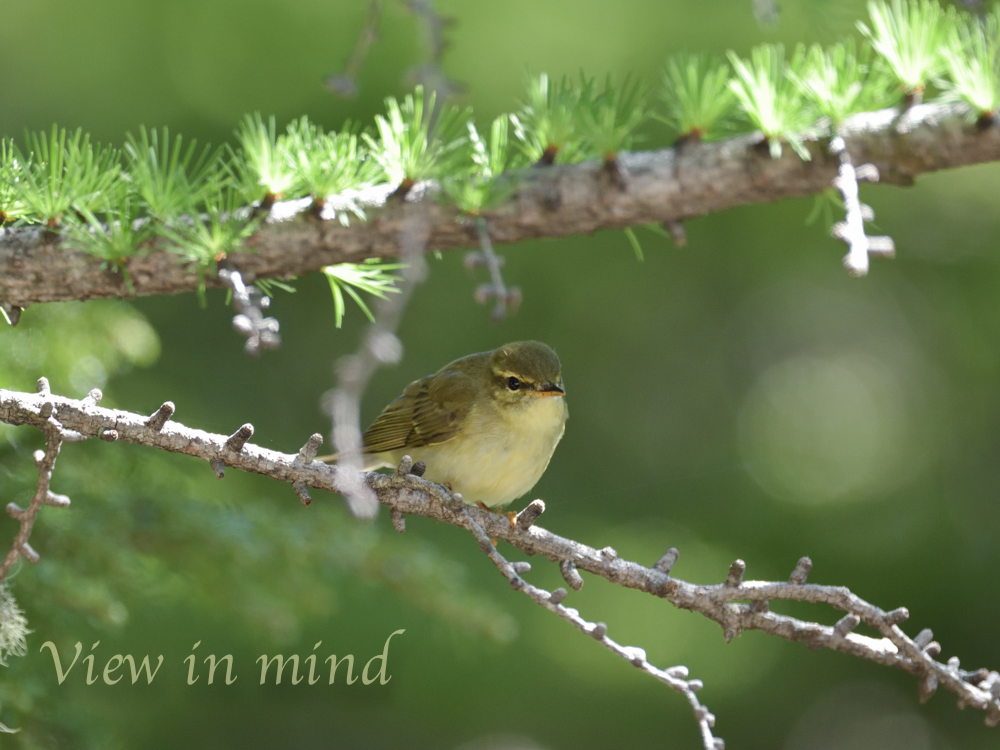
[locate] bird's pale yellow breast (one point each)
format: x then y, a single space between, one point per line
500 453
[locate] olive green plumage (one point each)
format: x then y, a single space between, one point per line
487 424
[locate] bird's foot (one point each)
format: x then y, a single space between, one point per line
512 516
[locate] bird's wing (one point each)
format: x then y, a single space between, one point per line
430 411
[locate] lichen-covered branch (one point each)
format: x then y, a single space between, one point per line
735 604
669 185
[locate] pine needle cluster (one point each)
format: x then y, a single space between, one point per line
481 188
416 143
545 125
971 72
700 105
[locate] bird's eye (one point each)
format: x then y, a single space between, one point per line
513 383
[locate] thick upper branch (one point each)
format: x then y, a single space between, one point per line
669 185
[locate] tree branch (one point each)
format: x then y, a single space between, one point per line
669 186
675 677
405 492
45 461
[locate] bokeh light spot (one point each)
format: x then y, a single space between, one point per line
814 430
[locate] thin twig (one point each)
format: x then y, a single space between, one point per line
45 461
674 677
345 83
496 290
851 231
379 346
411 494
260 332
431 73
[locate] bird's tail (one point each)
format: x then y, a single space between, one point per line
331 459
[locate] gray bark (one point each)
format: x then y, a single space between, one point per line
664 186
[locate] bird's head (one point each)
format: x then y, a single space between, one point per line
525 372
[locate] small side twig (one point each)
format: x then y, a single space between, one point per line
45 461
852 230
250 303
306 455
345 83
506 298
529 515
666 563
571 575
674 677
677 232
431 73
161 416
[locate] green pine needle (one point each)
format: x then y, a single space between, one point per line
12 208
114 240
823 207
909 35
840 82
327 163
410 148
482 190
698 99
66 173
658 229
371 277
269 286
972 61
209 237
771 99
261 167
546 123
634 242
608 120
170 180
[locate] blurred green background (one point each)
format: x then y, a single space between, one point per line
737 397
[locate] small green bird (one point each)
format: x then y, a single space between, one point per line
486 424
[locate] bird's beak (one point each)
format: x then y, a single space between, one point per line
550 389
